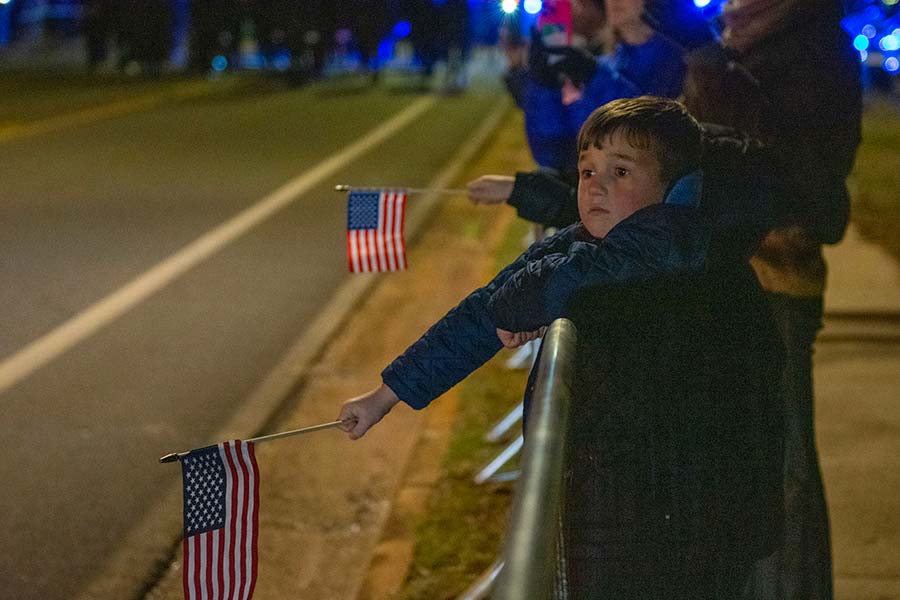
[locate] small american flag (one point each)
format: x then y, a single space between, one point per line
375 230
221 518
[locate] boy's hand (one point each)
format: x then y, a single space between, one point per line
490 189
514 340
360 413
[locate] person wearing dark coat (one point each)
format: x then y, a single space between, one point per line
673 483
634 153
787 74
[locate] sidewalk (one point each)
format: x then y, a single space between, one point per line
857 377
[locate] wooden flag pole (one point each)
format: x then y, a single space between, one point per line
455 191
263 438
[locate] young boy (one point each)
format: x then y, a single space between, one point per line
638 159
673 481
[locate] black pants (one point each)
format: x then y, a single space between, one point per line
801 569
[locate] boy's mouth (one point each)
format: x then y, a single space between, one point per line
597 210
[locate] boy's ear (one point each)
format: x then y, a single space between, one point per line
686 190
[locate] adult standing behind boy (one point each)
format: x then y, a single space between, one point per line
787 74
565 84
639 225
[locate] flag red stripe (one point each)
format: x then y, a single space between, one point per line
379 235
389 221
255 530
196 553
217 562
371 251
207 585
350 251
401 237
357 263
230 525
363 251
186 566
241 557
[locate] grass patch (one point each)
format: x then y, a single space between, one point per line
461 533
875 182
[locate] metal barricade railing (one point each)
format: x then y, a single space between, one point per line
529 565
530 550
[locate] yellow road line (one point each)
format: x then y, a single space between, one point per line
94 114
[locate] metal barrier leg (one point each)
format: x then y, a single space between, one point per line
492 467
522 357
482 586
505 476
503 425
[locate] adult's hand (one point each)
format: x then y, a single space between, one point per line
490 189
577 64
360 413
540 67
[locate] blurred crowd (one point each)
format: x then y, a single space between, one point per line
300 37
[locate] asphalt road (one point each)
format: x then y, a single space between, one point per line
90 205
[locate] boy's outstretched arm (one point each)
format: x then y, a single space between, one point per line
360 413
450 350
660 240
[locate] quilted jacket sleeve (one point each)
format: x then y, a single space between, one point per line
460 342
660 240
543 198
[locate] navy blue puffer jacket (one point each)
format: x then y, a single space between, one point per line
660 240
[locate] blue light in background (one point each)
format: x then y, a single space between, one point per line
281 61
219 63
701 3
5 22
402 29
863 56
509 6
533 7
891 64
861 42
868 30
889 43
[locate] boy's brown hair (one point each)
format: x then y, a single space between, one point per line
660 125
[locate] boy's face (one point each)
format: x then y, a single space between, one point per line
615 181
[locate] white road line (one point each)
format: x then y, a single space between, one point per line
49 346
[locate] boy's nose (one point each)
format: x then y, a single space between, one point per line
597 186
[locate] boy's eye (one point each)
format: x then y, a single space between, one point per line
621 172
587 173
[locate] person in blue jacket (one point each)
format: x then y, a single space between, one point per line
639 184
641 62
